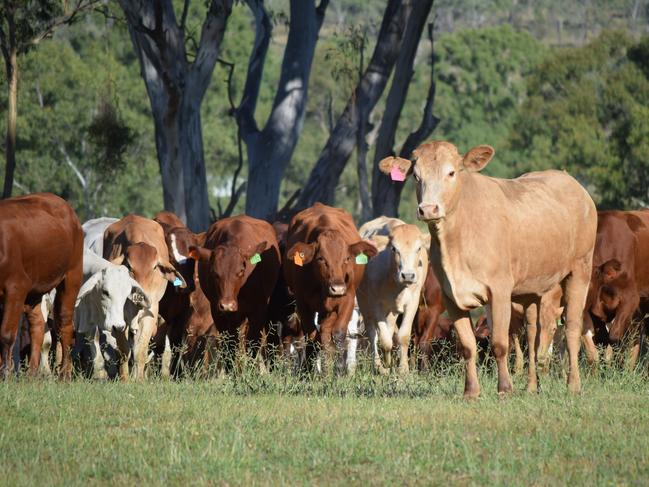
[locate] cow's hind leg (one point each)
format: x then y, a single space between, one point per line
13 308
66 296
575 291
500 311
36 335
531 319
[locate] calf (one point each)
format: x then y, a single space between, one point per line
535 231
391 287
324 266
139 244
41 250
237 269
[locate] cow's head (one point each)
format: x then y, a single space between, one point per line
409 253
229 269
145 266
439 171
331 260
109 289
609 283
179 241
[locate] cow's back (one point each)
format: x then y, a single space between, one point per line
308 224
534 228
41 240
133 229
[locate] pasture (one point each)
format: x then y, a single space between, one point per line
277 428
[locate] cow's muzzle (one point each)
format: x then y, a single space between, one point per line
429 211
337 289
228 305
407 277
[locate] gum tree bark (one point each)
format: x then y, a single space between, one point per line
176 87
270 148
386 193
324 177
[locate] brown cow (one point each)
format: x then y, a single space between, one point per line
238 269
187 314
427 320
498 240
42 249
619 287
321 270
139 243
620 281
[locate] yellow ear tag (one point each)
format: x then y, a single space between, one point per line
298 259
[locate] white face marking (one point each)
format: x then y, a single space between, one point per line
589 333
180 258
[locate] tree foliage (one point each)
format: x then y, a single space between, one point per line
587 111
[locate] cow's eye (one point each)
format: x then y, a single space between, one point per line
421 263
451 174
393 248
105 293
416 176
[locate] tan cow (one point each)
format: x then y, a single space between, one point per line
139 244
391 287
495 241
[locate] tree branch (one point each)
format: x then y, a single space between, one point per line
66 19
209 45
72 165
183 16
429 121
245 114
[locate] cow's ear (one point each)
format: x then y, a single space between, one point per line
260 248
396 167
477 158
301 252
199 253
610 270
138 296
381 241
88 286
118 260
366 247
171 274
426 240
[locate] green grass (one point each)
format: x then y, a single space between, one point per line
280 429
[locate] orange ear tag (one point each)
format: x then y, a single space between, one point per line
298 259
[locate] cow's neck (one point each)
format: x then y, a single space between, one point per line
453 239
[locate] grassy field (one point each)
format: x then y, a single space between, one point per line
279 429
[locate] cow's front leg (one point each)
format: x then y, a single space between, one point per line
403 336
499 313
592 354
385 333
462 323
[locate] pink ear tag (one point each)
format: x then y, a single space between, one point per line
396 174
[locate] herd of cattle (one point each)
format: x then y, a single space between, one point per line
533 251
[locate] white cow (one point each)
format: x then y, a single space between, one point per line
391 287
103 304
93 233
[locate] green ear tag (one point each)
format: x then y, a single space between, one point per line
361 259
255 258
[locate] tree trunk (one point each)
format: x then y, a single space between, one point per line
385 193
324 177
12 116
176 88
270 149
